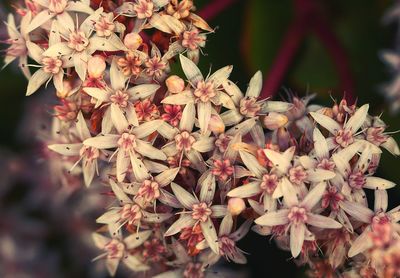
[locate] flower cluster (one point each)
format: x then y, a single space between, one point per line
190 162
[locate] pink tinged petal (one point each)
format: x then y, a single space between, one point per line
218 211
146 149
103 142
347 153
252 164
112 265
81 127
117 78
255 85
163 22
226 225
146 128
99 240
233 91
204 144
274 218
364 160
246 190
331 125
314 196
191 71
231 152
168 199
40 19
381 200
23 61
111 216
356 121
99 94
118 118
207 190
231 117
155 217
139 170
392 146
257 133
58 81
166 177
119 193
358 211
362 243
80 63
204 115
179 99
289 192
58 49
324 222
131 115
220 76
66 21
133 263
188 118
66 149
242 231
89 169
196 160
184 221
378 183
184 197
167 131
122 164
143 91
297 233
342 165
88 24
38 79
210 234
35 51
320 144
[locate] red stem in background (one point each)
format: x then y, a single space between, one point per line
215 8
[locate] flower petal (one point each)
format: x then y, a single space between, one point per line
314 196
210 234
207 190
166 177
358 211
191 71
204 144
40 19
184 221
378 183
143 91
204 115
356 121
179 99
38 79
362 243
331 125
117 78
320 144
184 197
188 118
220 76
118 118
66 149
381 200
218 211
274 218
297 232
146 128
103 141
255 85
247 190
252 164
146 149
226 225
324 222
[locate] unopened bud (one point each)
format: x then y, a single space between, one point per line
216 124
175 84
132 41
96 66
236 206
275 120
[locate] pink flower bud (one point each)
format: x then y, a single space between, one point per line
175 84
132 41
236 206
275 120
96 66
216 124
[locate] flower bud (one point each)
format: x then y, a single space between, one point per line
132 41
236 206
275 120
96 66
216 124
175 84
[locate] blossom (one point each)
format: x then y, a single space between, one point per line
297 214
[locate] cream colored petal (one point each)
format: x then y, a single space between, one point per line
255 85
184 197
39 78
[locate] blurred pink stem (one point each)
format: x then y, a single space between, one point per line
214 8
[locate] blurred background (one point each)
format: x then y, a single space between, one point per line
45 228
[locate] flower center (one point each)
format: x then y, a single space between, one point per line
249 107
127 141
227 246
89 152
201 212
130 65
51 65
375 135
297 175
146 110
155 67
297 215
357 180
130 213
222 169
120 98
192 39
326 164
143 8
149 190
344 138
173 113
222 142
269 183
193 270
181 9
57 6
104 27
184 141
115 249
205 91
78 41
331 198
